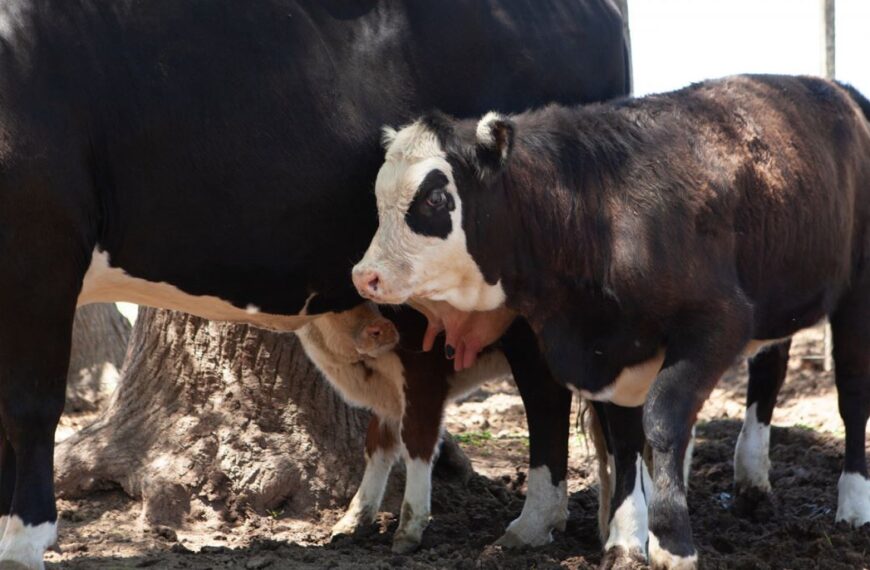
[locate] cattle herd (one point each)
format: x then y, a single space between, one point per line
479 164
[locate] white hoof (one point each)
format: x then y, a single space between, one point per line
405 543
661 559
545 509
352 523
25 545
409 535
853 499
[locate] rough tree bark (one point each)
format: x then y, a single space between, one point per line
100 335
217 416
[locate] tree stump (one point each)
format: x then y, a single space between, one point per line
100 336
217 416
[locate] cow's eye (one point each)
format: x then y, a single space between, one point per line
437 198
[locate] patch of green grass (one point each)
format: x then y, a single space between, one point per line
479 438
803 427
474 438
275 513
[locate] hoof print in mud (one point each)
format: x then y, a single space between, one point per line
755 504
618 558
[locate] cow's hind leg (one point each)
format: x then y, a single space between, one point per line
767 371
382 448
548 414
37 305
630 485
851 331
7 479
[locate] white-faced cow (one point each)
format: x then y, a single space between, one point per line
649 243
215 157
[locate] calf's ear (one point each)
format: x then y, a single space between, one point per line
388 135
495 140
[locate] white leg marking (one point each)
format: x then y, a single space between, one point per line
649 489
687 459
4 520
853 499
751 456
365 504
628 527
546 508
415 506
27 544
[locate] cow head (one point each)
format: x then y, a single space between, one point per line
420 249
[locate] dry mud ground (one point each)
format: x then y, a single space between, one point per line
103 531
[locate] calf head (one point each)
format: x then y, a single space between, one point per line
357 333
420 248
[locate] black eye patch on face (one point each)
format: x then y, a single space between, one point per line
429 212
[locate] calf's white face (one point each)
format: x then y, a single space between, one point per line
420 247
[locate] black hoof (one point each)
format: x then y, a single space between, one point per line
755 504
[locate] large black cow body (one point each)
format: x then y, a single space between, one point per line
649 243
217 158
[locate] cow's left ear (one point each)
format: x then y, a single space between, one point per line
495 140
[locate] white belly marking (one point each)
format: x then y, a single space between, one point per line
106 284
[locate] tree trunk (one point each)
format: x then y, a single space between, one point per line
100 335
221 418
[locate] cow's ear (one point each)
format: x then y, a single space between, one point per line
495 140
388 135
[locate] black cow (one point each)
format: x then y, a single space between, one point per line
649 243
215 157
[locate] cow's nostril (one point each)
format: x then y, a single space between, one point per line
374 331
367 281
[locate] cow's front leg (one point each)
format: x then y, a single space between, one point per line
382 447
426 394
548 414
34 357
697 355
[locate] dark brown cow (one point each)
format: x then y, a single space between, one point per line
649 243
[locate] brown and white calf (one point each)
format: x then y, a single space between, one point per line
376 363
649 243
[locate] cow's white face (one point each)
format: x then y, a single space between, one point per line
420 248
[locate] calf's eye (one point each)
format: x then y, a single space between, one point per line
437 198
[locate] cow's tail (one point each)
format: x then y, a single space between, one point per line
592 427
858 98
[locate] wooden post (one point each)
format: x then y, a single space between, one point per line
829 46
623 8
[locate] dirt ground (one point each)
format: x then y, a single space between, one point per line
797 531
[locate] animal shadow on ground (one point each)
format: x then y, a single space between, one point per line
795 530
